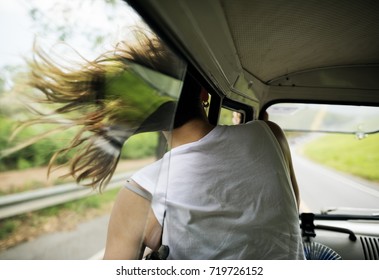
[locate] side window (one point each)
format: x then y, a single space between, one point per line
234 112
230 117
72 74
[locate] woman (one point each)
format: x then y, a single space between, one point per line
230 192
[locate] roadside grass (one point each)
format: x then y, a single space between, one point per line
65 216
347 154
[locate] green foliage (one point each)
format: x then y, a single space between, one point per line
2 83
81 205
5 131
39 154
34 155
348 154
140 146
6 228
226 117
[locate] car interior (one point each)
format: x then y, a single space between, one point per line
310 66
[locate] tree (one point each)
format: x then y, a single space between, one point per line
87 26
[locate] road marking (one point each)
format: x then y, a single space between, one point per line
343 178
355 185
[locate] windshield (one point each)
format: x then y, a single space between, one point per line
325 117
335 152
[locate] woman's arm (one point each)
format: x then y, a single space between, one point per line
132 227
279 134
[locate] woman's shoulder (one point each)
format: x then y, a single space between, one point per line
147 176
255 125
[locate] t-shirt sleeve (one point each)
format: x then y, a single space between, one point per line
147 177
148 180
138 190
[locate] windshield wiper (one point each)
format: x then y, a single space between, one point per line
350 211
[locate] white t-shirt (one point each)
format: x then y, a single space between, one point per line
226 196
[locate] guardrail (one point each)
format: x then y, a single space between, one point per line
20 203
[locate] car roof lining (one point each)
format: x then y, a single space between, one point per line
302 35
263 49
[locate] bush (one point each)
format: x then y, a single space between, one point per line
140 146
39 154
6 228
35 155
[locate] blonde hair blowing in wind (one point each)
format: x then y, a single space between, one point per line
102 99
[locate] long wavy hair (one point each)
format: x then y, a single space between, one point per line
81 99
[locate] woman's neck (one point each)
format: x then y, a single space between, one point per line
191 131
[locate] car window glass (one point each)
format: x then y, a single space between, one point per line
74 33
336 172
326 118
230 117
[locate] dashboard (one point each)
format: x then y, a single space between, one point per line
351 238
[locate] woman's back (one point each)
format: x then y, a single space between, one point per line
226 196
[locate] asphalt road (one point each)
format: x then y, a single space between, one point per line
322 188
86 242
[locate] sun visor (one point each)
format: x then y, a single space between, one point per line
164 84
140 100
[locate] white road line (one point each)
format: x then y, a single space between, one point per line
355 185
342 178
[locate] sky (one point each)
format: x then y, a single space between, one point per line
13 32
18 31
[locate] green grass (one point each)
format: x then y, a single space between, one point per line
7 227
140 146
81 205
348 154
